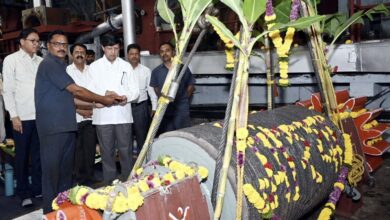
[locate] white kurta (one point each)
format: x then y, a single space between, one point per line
19 73
118 77
81 79
143 75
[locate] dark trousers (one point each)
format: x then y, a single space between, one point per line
112 137
176 117
27 144
57 155
174 122
141 117
85 152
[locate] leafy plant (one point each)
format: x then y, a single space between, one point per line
358 18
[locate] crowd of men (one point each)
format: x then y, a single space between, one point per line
60 112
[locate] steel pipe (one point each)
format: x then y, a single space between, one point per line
112 23
128 23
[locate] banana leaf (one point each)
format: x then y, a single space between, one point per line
225 31
300 23
282 11
165 12
358 18
332 22
253 9
236 6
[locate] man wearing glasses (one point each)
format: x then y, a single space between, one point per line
19 72
55 97
112 75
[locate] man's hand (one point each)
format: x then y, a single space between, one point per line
109 100
108 93
85 113
17 124
124 100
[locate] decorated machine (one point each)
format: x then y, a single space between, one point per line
277 164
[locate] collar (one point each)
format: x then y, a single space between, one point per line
24 54
163 66
73 66
106 60
137 67
56 59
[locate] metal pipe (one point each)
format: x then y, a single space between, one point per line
112 23
128 23
48 3
37 3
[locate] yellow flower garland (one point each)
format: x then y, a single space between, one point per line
97 199
282 48
274 178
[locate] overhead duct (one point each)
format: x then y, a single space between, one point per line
112 23
128 22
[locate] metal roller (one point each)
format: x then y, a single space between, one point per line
199 143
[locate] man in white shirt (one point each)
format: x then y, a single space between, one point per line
112 75
140 107
2 127
19 72
86 133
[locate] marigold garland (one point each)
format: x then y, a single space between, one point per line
339 186
282 46
265 203
139 184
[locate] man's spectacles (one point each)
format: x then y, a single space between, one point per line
59 44
33 41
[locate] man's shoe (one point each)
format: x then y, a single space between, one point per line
26 202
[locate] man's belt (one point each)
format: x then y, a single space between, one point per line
137 104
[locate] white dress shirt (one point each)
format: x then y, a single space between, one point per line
143 74
81 79
118 77
19 72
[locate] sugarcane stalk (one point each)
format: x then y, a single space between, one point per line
317 48
269 74
315 53
229 139
242 123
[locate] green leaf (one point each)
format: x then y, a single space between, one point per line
185 4
165 12
225 31
196 9
236 6
282 12
256 33
381 8
300 23
355 18
332 22
253 9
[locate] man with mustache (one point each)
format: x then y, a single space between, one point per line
86 133
112 75
177 114
20 69
55 93
140 107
